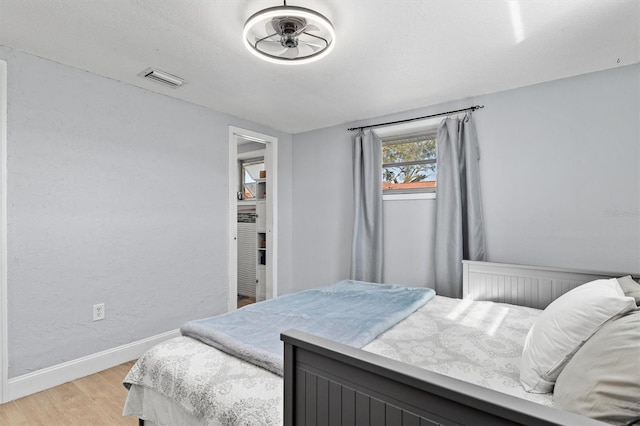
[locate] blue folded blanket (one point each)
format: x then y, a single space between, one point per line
349 312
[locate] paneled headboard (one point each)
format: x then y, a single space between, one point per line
533 286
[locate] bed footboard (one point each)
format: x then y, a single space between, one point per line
328 383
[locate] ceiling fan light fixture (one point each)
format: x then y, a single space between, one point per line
288 35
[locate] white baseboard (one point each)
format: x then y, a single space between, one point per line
58 374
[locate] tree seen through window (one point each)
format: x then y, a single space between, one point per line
409 163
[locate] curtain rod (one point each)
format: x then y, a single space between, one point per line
473 108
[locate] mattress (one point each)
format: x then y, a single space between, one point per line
478 342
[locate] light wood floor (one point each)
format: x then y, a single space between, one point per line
93 400
246 301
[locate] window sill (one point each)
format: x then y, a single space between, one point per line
409 196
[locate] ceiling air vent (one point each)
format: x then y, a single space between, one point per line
162 77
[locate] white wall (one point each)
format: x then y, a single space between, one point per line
408 238
558 160
560 178
116 195
323 208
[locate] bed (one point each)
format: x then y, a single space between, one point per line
470 375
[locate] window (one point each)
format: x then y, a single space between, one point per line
250 173
409 163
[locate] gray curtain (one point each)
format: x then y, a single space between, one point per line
459 227
366 249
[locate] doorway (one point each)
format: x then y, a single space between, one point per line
251 225
256 155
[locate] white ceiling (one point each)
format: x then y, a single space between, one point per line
390 56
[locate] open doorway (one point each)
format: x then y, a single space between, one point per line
252 217
251 244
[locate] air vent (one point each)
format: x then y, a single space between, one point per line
162 77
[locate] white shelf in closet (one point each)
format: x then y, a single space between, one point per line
261 239
261 189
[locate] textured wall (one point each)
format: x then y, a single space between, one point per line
116 195
323 208
560 172
408 234
559 176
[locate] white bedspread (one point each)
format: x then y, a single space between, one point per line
479 342
211 385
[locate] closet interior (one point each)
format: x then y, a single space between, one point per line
251 212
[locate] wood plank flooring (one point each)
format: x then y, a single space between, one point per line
93 400
246 301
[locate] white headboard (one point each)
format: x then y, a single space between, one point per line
533 286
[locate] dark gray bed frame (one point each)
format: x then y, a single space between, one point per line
328 383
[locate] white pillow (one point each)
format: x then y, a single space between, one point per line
630 287
564 326
602 380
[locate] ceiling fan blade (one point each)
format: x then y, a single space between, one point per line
292 52
306 50
313 39
268 27
311 27
315 47
301 30
264 40
268 37
271 47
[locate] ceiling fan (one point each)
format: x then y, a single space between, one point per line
289 35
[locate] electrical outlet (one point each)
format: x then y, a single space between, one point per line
98 312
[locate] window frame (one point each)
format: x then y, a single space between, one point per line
243 163
429 133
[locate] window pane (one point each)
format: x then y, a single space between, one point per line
250 173
412 150
420 176
409 163
249 187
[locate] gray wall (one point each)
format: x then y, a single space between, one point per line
322 208
560 176
561 172
409 230
116 195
